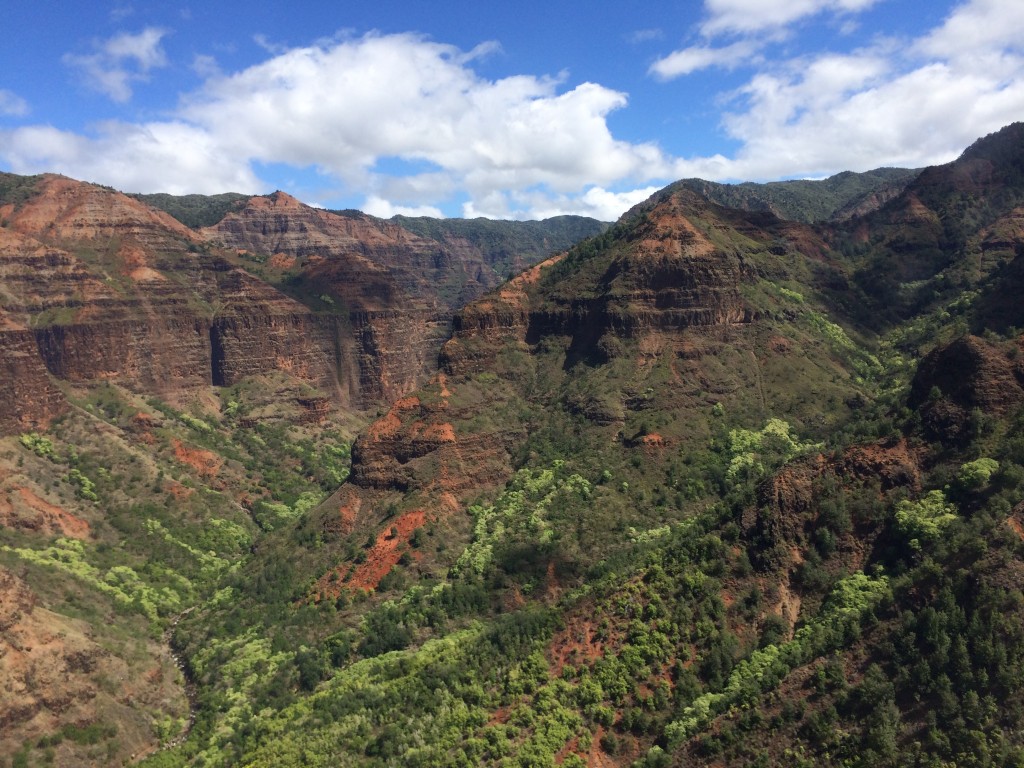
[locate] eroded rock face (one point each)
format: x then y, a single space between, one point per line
50 671
788 512
29 400
962 379
666 276
95 286
366 263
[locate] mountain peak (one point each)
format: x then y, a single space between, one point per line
281 199
1006 144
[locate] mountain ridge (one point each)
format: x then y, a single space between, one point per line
709 487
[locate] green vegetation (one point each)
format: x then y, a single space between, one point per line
754 453
685 500
924 520
508 245
194 211
836 197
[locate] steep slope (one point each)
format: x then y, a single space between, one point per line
508 247
108 289
843 196
952 226
691 492
665 505
597 385
162 410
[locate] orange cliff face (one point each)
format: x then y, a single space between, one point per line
97 286
367 263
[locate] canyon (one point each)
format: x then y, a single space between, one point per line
715 484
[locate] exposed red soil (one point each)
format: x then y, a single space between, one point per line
389 424
387 549
653 440
499 716
597 757
571 748
780 345
57 519
206 463
281 261
142 425
348 512
575 644
1016 526
442 433
442 382
178 491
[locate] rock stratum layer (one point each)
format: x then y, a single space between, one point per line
97 286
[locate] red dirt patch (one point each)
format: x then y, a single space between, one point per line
442 433
780 345
48 519
389 424
499 716
1015 526
598 758
386 551
380 558
575 644
281 261
206 463
179 491
348 513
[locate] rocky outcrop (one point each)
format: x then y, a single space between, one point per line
55 673
29 399
397 350
368 264
959 381
781 526
662 274
95 286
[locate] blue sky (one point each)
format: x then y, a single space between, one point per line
506 110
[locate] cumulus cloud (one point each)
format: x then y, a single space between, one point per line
645 35
342 107
120 61
688 60
897 102
745 16
169 157
410 125
12 105
976 29
345 107
596 202
381 208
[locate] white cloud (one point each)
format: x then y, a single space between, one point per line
120 61
756 22
688 60
206 66
12 105
351 106
898 102
596 202
745 16
976 28
410 125
169 157
645 35
382 209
